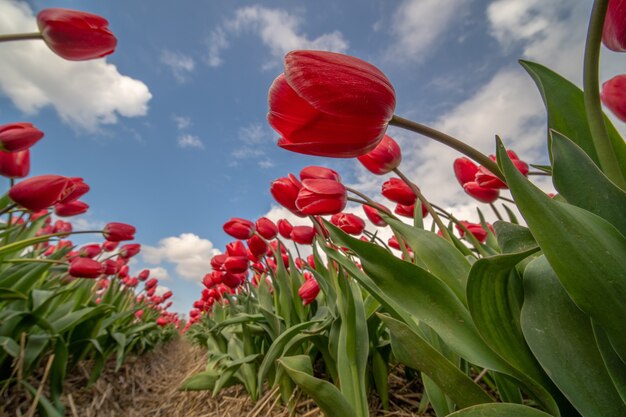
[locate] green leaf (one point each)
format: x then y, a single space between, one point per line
566 112
10 346
582 183
513 238
499 410
614 365
327 397
412 350
202 381
561 337
587 253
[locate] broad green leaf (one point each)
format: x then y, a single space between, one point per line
499 410
327 397
380 374
587 253
58 371
45 407
513 238
582 183
566 112
10 346
561 337
202 381
437 397
412 350
614 365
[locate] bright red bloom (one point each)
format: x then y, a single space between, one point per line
130 250
329 104
303 235
384 158
464 170
151 283
483 194
308 291
393 243
110 267
109 246
76 35
374 216
90 251
349 223
257 246
475 229
40 192
116 232
236 248
161 321
73 208
613 94
15 164
488 179
285 191
138 314
76 189
236 264
239 228
85 268
16 137
284 228
319 173
614 31
409 211
319 197
398 191
217 262
167 295
232 280
143 275
266 228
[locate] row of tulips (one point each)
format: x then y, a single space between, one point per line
506 319
62 304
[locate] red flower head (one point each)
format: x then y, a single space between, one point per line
398 191
384 158
162 321
308 291
329 104
109 246
43 191
266 228
349 223
374 216
409 211
488 179
15 164
217 262
257 246
303 235
475 229
73 208
319 197
16 137
151 283
483 194
613 94
239 228
76 35
285 191
236 264
116 232
85 268
233 280
90 251
130 250
319 173
614 31
143 275
464 170
284 228
236 248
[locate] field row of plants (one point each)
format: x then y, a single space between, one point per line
525 317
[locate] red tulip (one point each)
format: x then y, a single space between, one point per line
151 283
409 211
319 197
311 261
85 268
138 314
393 243
614 31
475 229
90 251
143 275
266 228
613 94
15 164
162 321
308 291
236 264
73 208
374 216
257 246
464 170
110 267
285 191
116 232
233 280
384 158
303 235
167 295
330 104
487 179
217 262
319 173
109 246
130 250
76 35
236 248
16 137
398 191
349 223
43 191
483 194
239 228
284 228
76 189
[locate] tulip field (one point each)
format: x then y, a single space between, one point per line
522 316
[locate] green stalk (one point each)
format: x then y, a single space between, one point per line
595 116
20 37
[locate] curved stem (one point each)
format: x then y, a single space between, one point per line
369 202
495 211
595 116
20 37
27 260
429 207
547 174
448 140
508 200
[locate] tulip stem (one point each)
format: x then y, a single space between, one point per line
429 207
20 37
368 202
448 140
8 209
591 90
547 174
26 260
495 210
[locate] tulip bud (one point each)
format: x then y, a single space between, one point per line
384 158
266 228
614 31
464 170
85 268
15 137
483 194
130 250
115 232
398 191
73 208
613 93
15 164
285 191
319 173
40 192
303 235
308 291
239 228
409 211
257 246
349 223
284 228
321 196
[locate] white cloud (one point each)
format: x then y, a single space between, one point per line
159 273
180 64
182 122
266 163
188 252
189 141
160 290
84 94
278 30
253 134
418 25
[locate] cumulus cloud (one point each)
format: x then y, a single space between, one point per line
418 25
189 141
190 254
279 30
159 273
253 144
84 94
179 64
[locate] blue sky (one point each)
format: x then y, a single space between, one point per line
170 130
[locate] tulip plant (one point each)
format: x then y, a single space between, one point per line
62 304
525 317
